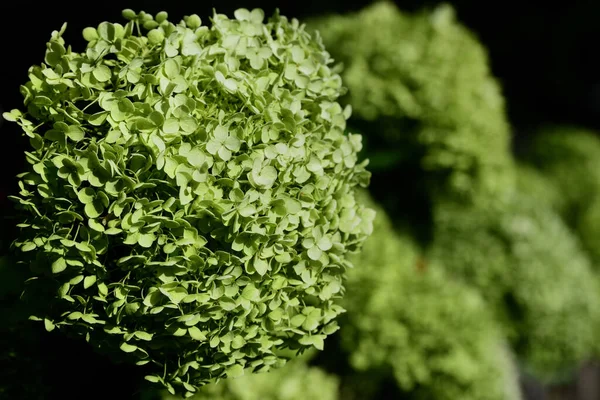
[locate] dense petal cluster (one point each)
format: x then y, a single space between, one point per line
190 202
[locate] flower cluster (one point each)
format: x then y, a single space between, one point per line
190 201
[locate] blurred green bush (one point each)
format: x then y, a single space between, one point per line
420 88
569 157
434 334
534 273
295 381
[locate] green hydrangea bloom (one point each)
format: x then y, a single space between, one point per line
436 335
420 84
532 270
295 381
190 202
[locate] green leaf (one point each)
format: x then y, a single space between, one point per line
63 290
37 142
169 248
90 34
251 293
89 281
242 14
247 210
128 348
312 320
42 101
264 178
49 325
102 289
176 295
146 239
324 243
227 303
171 126
276 315
95 225
143 335
297 320
129 14
98 118
106 31
75 315
12 116
59 265
84 247
153 378
314 253
188 125
94 209
28 246
113 231
314 340
102 73
235 371
152 299
171 68
196 157
156 118
238 342
261 266
75 133
257 15
196 334
221 133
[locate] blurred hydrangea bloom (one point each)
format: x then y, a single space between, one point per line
434 334
531 268
569 157
295 381
420 84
